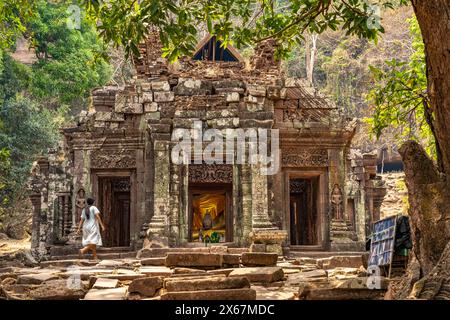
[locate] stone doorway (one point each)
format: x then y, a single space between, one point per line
303 209
114 205
210 213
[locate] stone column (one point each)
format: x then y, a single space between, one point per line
158 225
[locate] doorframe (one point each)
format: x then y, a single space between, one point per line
131 174
322 206
211 189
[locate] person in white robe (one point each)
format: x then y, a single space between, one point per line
90 223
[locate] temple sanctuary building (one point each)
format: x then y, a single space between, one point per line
324 196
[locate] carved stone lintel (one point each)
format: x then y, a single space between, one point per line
304 157
113 159
210 173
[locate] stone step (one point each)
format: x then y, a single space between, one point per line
73 250
162 252
322 254
100 255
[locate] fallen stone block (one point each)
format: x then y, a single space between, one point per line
190 275
381 283
258 247
146 286
58 290
218 249
119 277
187 270
344 294
263 293
225 272
237 250
207 283
340 261
7 276
67 263
297 278
36 278
158 261
230 294
255 259
231 260
261 274
110 263
105 283
305 260
106 294
156 271
199 260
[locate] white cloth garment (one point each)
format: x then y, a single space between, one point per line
91 228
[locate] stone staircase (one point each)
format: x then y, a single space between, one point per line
68 253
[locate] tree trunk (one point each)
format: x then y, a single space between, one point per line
434 17
311 49
427 182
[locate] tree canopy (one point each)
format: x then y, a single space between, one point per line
36 99
241 22
400 96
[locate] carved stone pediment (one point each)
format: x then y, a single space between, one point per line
113 159
304 157
210 173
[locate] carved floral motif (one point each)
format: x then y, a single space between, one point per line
111 159
304 157
210 173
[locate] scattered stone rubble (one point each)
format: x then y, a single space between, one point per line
193 275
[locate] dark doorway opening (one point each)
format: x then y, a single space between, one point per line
212 50
210 214
303 211
114 206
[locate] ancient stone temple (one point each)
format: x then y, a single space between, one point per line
324 195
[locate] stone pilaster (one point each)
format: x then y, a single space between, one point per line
159 222
174 213
35 237
246 185
260 204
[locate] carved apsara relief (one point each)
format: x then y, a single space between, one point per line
304 157
112 159
336 203
210 173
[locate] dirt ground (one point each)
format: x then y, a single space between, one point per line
12 246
